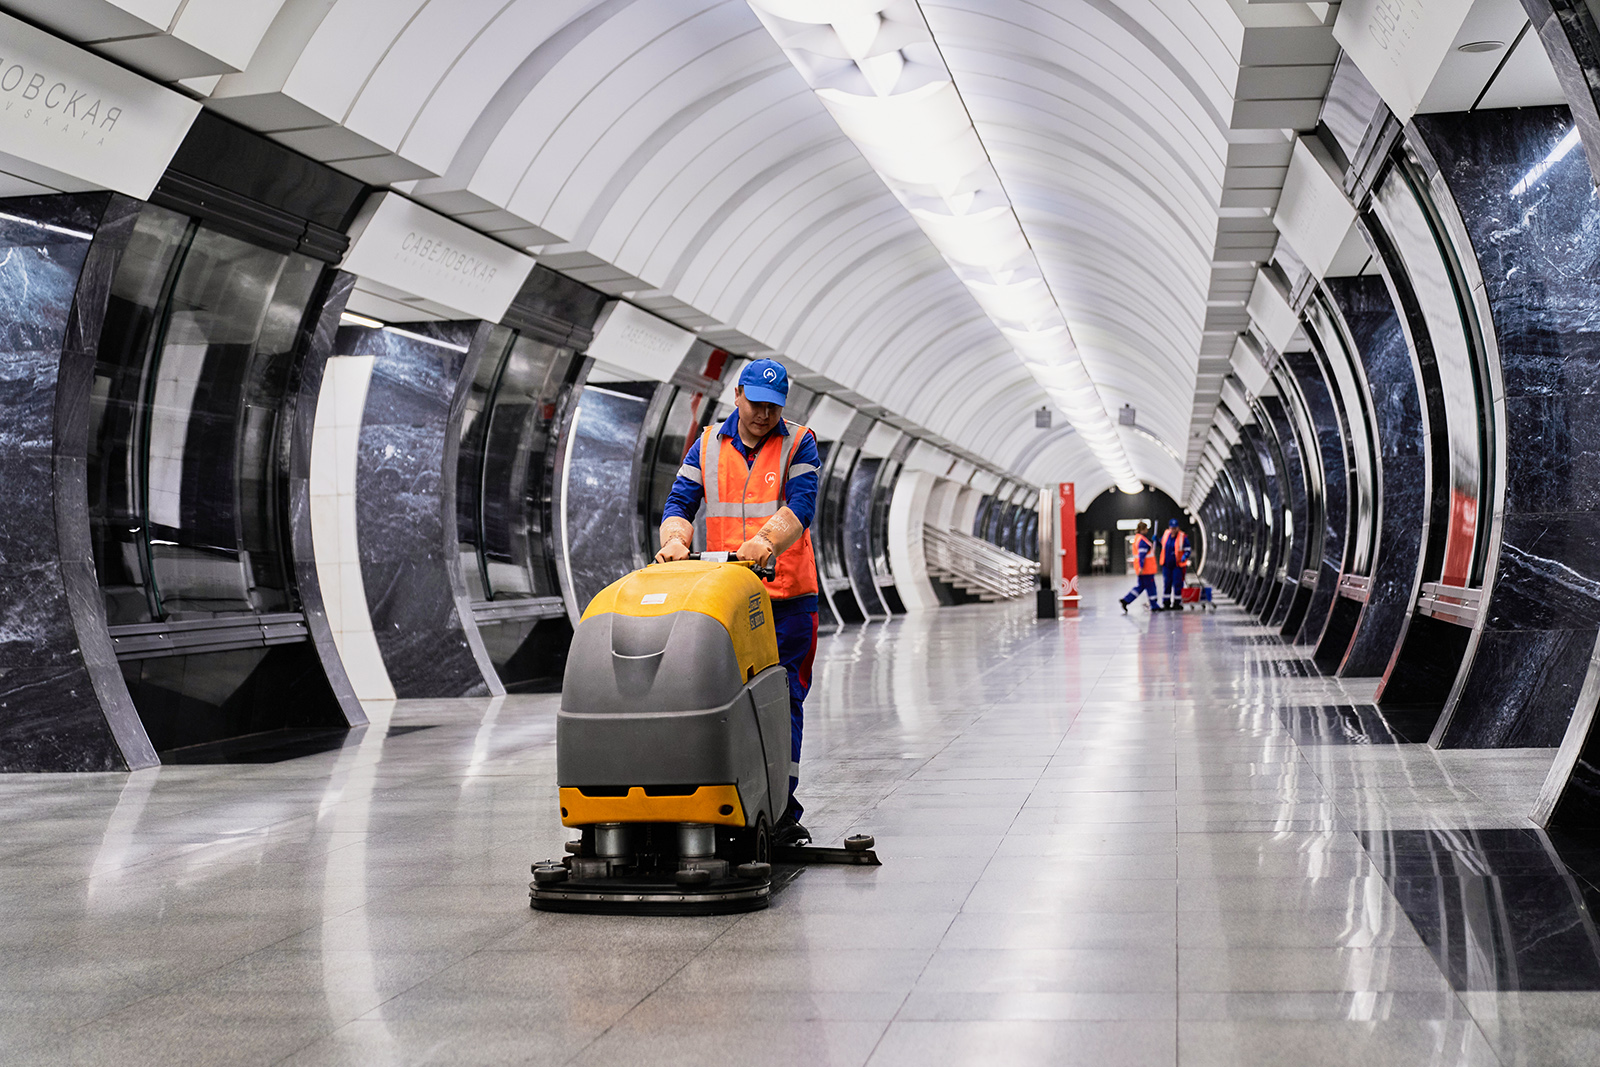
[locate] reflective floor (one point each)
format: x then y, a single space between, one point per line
1108 840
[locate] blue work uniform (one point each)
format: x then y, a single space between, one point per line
794 618
1173 564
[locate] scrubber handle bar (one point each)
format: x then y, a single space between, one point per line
767 573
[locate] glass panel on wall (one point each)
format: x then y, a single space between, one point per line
1351 395
504 499
882 498
199 342
831 511
686 415
1406 208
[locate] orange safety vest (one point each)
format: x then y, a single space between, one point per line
1149 564
1172 545
741 497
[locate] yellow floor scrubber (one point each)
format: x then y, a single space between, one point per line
672 748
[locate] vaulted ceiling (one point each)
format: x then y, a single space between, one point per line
667 151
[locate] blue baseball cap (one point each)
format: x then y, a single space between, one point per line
1172 522
765 382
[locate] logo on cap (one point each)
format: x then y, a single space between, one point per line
769 374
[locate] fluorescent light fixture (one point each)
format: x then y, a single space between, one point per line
350 318
1562 149
875 66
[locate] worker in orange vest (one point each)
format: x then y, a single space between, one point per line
757 475
1174 559
1144 551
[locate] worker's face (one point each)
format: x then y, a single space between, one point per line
758 420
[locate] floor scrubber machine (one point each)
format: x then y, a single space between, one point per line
672 748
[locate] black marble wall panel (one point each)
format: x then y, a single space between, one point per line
299 414
1330 443
1380 341
63 705
1292 476
406 508
1536 232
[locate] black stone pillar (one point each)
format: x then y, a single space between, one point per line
63 703
1375 330
1293 478
1324 416
1535 230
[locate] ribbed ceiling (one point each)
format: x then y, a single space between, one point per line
667 150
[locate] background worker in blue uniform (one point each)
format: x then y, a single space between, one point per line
1173 556
757 475
1144 551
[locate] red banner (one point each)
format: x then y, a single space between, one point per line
1069 544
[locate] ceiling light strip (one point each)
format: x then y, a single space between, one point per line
877 69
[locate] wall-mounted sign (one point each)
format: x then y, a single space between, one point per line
70 111
638 343
1313 212
404 245
881 440
1271 311
1247 365
1399 44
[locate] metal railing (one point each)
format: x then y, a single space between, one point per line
1451 603
974 565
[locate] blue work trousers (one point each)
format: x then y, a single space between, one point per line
797 651
1172 585
1147 584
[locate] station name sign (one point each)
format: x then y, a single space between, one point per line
633 340
69 111
406 246
1399 44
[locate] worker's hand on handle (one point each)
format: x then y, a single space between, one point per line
672 550
677 534
757 550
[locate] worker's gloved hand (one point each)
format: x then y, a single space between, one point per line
672 550
757 550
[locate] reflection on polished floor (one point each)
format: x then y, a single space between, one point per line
1108 840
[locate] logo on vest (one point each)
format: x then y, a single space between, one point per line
772 479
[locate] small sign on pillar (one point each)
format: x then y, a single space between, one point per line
1069 545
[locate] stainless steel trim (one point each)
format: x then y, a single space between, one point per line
184 637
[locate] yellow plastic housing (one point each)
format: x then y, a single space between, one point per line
705 805
727 592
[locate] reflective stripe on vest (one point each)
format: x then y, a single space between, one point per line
740 498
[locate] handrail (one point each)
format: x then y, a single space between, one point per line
973 564
1451 603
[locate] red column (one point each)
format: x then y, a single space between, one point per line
1069 546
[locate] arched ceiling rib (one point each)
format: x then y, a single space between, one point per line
667 150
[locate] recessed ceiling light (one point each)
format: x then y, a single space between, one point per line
1481 46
